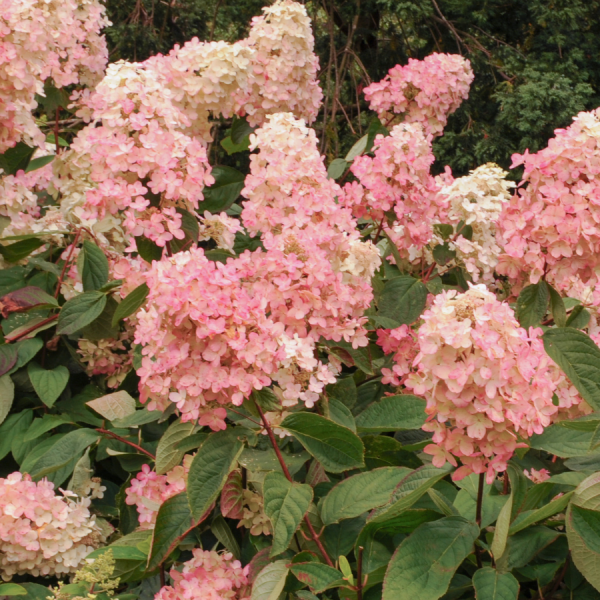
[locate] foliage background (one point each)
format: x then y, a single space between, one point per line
536 63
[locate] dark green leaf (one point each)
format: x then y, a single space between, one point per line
48 384
557 307
223 533
336 447
224 191
167 453
240 129
586 523
360 493
8 357
393 413
102 328
210 468
173 521
562 441
491 585
16 158
532 304
20 250
38 163
131 303
442 254
269 583
92 264
579 317
424 563
317 576
579 357
189 226
285 503
403 300
147 249
80 311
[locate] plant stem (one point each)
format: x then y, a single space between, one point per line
32 328
118 437
359 582
286 472
479 499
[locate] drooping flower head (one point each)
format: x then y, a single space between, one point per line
207 576
487 381
423 91
552 226
42 533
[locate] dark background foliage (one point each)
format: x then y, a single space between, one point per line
537 62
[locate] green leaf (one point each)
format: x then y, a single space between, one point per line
442 254
579 317
586 523
524 520
102 328
92 266
410 489
502 529
14 427
424 563
532 304
117 405
137 418
226 189
524 546
285 503
167 453
557 307
344 390
231 148
579 357
393 413
7 395
41 426
360 493
336 447
38 163
232 496
223 533
147 249
13 589
131 303
48 384
358 148
337 168
341 414
403 300
16 158
491 585
562 441
210 468
317 576
8 357
26 350
269 583
240 129
67 450
80 311
20 250
173 521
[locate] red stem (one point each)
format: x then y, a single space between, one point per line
118 437
32 328
286 472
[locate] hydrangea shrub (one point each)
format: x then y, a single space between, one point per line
346 379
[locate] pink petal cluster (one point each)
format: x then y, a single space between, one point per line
41 533
283 73
207 576
213 332
423 91
552 225
148 490
537 476
486 381
39 40
397 178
